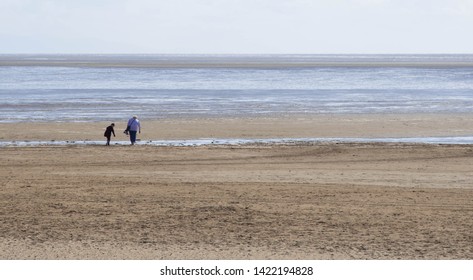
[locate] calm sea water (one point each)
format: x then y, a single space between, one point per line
230 86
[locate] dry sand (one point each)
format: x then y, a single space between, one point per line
313 201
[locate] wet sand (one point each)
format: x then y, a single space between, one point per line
292 126
305 201
228 61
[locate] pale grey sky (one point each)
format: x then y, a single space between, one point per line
236 26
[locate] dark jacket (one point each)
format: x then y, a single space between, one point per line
109 131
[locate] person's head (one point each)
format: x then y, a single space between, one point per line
112 124
135 117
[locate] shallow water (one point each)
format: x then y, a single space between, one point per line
464 140
266 85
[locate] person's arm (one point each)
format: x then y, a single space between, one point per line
113 131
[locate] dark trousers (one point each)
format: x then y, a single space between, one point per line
132 136
108 140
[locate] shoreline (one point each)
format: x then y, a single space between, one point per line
215 142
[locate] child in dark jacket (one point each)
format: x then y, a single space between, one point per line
108 133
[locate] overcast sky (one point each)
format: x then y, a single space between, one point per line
236 26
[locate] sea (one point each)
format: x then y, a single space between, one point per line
93 88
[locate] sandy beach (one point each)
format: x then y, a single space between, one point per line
304 201
291 126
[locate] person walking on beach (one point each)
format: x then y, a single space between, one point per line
108 133
133 127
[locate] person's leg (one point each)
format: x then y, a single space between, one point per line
132 137
108 140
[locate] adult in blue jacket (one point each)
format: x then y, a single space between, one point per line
133 127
